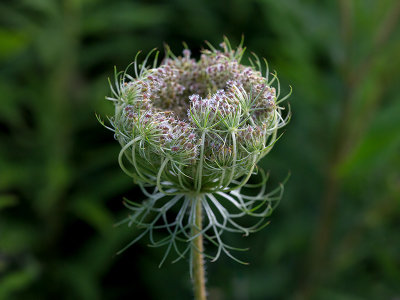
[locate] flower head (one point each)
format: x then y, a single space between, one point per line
196 127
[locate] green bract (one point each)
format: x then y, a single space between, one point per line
196 129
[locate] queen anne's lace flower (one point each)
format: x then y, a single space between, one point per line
196 130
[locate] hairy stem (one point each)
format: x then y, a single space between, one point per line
199 284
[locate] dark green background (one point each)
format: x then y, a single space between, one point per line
336 234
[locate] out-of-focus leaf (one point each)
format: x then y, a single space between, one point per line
123 16
380 144
92 213
16 236
17 280
11 42
7 200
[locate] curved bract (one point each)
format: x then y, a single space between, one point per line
222 212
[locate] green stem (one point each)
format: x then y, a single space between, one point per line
200 169
199 282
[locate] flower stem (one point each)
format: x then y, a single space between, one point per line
199 284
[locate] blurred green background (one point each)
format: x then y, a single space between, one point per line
336 234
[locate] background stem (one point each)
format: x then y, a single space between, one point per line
199 285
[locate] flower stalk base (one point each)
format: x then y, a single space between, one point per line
198 272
